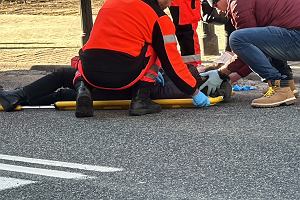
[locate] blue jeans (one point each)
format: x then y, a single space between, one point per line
267 49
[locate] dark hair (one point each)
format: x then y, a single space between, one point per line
212 2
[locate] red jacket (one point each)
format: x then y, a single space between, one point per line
260 13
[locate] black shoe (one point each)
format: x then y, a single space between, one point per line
143 106
84 102
11 99
225 90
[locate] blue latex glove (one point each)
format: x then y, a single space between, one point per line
213 82
201 100
243 88
160 79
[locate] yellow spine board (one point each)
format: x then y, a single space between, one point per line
124 104
18 108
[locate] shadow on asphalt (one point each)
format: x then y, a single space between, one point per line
48 68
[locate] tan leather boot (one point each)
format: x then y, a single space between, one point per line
291 85
293 88
275 96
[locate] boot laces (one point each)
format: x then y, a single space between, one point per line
270 92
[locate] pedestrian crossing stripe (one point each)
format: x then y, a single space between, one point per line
8 183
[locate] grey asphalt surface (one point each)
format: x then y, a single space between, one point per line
229 151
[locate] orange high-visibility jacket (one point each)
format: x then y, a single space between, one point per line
125 27
190 11
186 15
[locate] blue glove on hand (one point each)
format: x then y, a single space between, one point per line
160 79
200 100
213 82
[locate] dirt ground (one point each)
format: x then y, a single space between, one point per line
47 32
45 7
40 32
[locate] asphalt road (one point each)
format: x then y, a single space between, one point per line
229 151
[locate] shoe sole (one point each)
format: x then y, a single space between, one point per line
84 107
285 102
142 112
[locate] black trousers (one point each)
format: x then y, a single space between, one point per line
184 33
229 28
58 86
49 89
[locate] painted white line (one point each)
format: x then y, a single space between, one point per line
38 107
61 164
7 183
43 172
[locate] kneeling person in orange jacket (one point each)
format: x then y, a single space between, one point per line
186 15
127 39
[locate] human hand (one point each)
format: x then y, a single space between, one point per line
160 79
234 77
213 82
200 100
201 68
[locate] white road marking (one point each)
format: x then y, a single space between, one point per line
61 164
38 107
43 172
6 183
